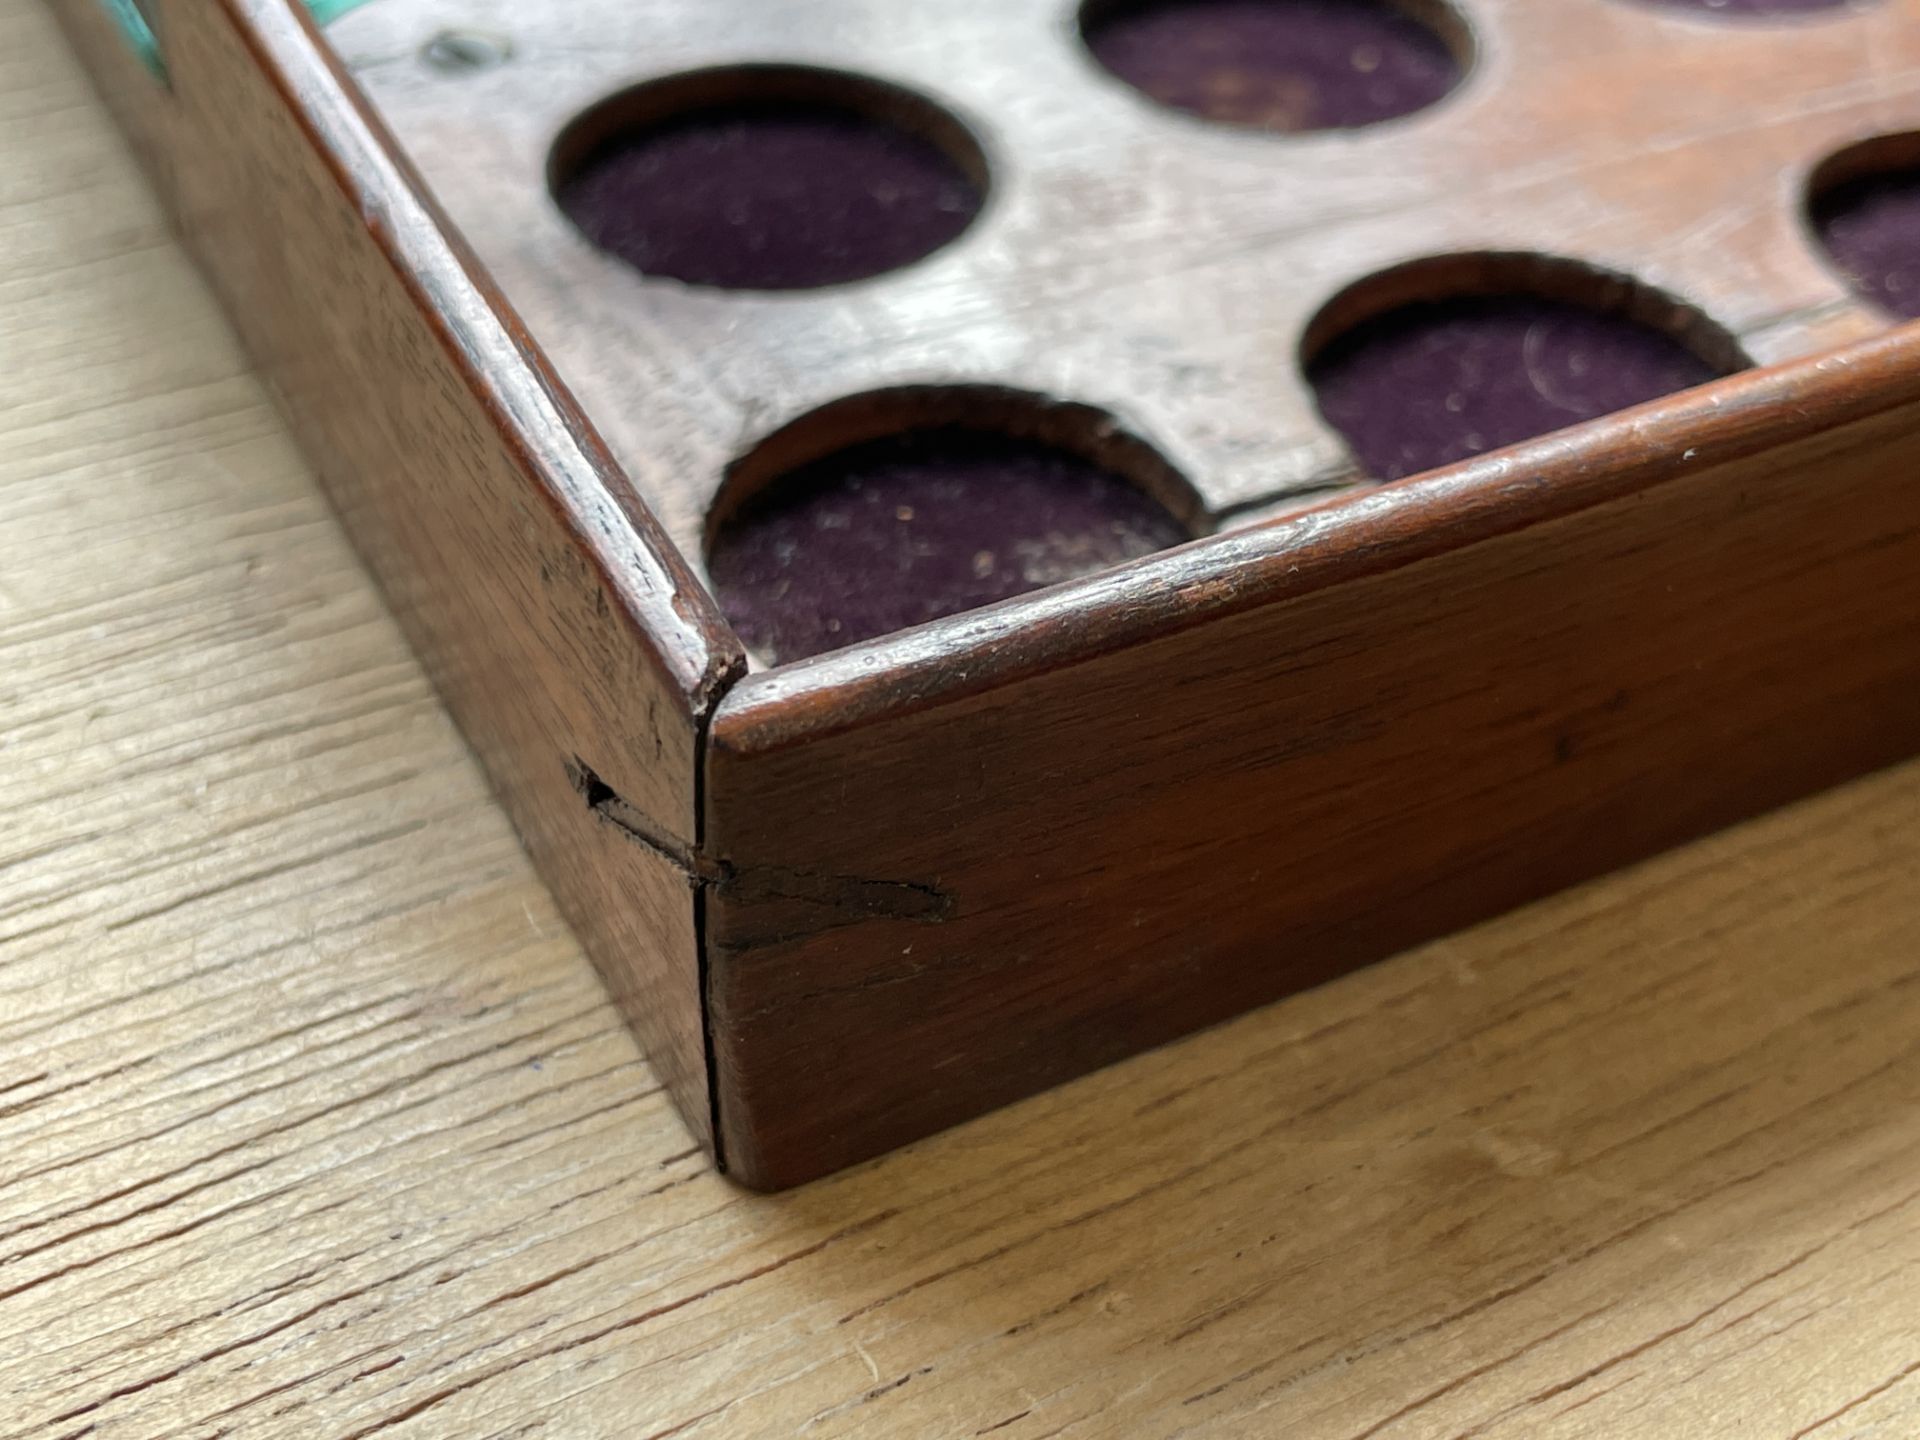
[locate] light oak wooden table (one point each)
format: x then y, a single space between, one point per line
315 1122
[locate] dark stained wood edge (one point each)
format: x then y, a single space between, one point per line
1347 538
668 610
1274 757
572 645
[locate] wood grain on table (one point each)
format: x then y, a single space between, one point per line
315 1122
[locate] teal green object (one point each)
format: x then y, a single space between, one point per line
326 12
140 34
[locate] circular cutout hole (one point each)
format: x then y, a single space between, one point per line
1283 65
1864 204
1762 9
768 177
1446 359
892 509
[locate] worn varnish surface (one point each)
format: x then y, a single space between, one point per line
314 1123
1134 258
560 626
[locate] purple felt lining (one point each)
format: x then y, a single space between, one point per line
770 197
1758 7
1285 65
1871 229
1438 382
895 532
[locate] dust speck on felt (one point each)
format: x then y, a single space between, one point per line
1871 229
1439 382
770 197
1282 65
896 532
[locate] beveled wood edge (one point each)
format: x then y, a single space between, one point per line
1348 537
667 608
667 631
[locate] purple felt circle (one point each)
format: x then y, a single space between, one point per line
1280 65
773 192
1441 381
1759 9
1870 228
898 531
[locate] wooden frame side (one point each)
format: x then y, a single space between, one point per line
572 646
1031 841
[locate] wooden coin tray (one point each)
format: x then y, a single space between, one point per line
850 899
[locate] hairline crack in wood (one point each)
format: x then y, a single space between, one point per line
849 899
